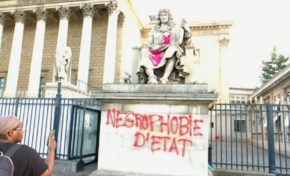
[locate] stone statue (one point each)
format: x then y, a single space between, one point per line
63 64
164 51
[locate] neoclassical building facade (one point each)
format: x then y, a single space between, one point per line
275 91
102 35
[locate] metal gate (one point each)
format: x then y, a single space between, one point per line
250 137
76 122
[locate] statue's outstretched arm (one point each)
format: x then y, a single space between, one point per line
187 33
185 26
181 36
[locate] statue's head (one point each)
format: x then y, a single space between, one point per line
67 52
164 10
162 15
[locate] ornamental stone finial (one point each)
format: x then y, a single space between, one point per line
63 12
19 16
112 6
41 14
88 10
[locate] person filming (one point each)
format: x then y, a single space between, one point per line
26 161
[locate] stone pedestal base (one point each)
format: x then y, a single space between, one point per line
154 130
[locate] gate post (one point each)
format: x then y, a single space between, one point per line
271 143
57 110
210 154
16 107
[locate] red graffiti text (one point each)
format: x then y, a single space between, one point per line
175 131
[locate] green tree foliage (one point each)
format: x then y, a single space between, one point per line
272 67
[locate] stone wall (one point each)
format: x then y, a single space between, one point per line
27 47
154 129
154 147
5 49
74 36
50 39
99 34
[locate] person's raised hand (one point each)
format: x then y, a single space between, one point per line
51 142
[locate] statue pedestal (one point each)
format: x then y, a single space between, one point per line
154 130
67 90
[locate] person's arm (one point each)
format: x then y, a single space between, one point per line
50 157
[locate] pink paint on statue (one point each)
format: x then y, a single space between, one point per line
167 39
156 55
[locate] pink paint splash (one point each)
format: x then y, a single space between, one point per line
156 55
167 39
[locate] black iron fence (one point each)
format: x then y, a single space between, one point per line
76 122
251 137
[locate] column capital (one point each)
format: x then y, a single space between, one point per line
19 16
112 6
2 17
88 10
41 14
63 12
224 42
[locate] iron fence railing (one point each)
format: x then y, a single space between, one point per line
77 126
250 137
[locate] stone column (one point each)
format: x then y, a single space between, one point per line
111 44
2 16
222 88
37 54
63 13
85 48
15 56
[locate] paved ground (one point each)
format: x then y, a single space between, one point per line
243 156
91 170
114 173
87 171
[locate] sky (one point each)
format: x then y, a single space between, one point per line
258 26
